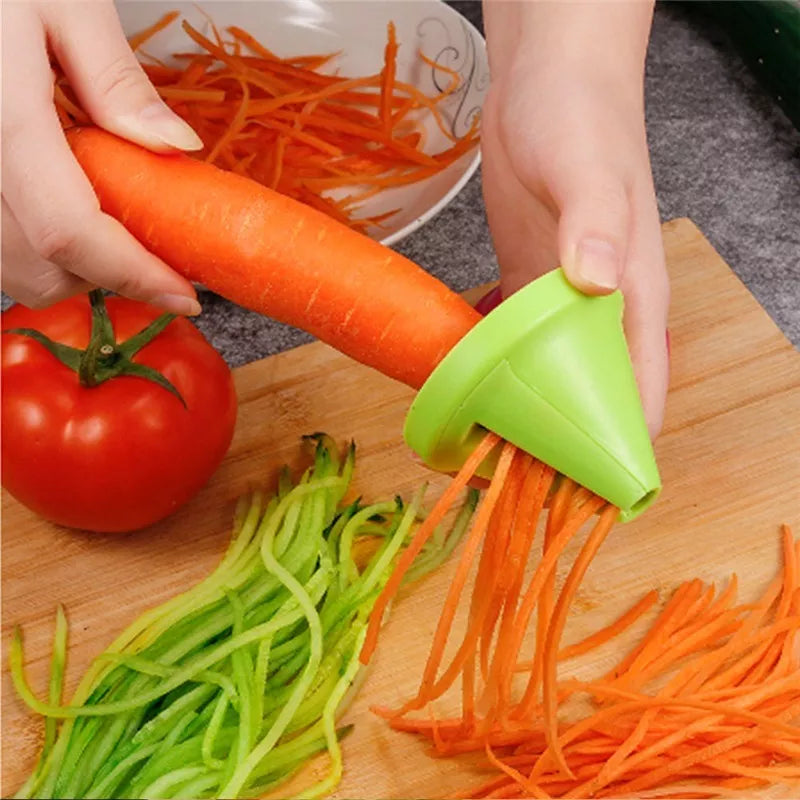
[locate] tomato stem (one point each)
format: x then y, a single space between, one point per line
101 339
104 358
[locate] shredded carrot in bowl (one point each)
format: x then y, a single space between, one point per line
308 134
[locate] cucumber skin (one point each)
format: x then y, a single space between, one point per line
766 33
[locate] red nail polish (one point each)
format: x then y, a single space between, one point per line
489 301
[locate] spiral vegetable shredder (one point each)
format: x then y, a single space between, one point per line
549 371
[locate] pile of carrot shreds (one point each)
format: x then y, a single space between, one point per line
292 127
706 705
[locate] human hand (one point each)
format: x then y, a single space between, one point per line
566 171
56 242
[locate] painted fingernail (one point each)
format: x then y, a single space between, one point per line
178 304
489 301
160 122
597 263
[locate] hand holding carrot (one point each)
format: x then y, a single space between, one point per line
566 170
56 241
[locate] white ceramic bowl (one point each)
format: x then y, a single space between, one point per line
357 29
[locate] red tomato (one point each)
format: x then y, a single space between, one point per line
123 454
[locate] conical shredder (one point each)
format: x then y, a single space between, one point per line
548 370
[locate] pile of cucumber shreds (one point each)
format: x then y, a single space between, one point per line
229 688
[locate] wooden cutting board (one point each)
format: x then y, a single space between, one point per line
729 459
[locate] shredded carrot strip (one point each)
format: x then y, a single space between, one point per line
531 788
561 500
193 74
428 690
280 148
235 125
424 532
537 585
556 627
600 637
505 566
138 39
387 80
455 79
293 132
67 107
537 485
251 42
190 94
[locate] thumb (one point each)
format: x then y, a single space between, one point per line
110 83
593 229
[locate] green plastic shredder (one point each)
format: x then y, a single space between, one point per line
549 371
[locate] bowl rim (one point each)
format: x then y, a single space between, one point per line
440 205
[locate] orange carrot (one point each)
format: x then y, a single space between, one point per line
276 256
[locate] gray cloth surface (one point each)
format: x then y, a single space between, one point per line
722 152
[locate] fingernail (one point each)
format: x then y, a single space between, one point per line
489 301
169 128
178 304
597 263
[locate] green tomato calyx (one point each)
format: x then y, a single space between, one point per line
104 358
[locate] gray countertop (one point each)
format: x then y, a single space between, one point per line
723 154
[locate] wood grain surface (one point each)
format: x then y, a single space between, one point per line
729 459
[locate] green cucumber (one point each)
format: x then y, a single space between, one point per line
766 34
